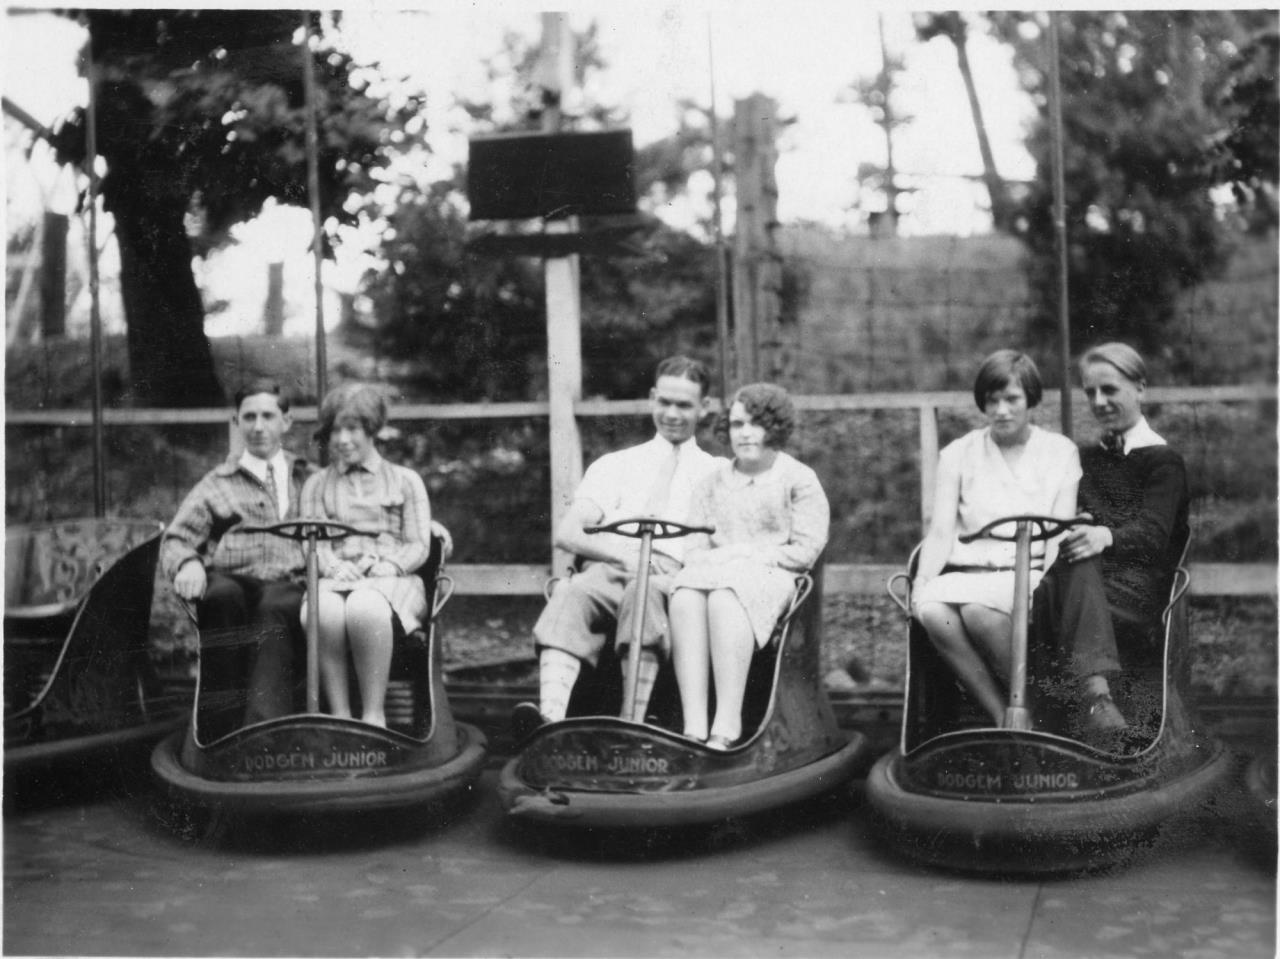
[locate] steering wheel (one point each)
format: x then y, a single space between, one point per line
659 528
1046 527
306 529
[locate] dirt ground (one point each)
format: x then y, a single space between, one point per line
864 641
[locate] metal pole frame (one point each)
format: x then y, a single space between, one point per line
722 253
95 315
313 191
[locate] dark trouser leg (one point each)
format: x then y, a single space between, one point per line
276 622
227 600
1071 615
1071 637
226 651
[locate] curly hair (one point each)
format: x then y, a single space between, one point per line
769 406
358 400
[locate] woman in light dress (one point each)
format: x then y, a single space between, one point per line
369 582
963 592
771 519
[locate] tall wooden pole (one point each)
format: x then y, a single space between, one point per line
756 263
313 190
890 171
722 251
95 315
563 298
1059 219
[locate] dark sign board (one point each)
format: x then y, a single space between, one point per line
525 175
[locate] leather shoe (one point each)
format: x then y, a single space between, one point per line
1101 717
721 744
526 719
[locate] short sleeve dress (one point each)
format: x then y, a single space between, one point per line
389 501
981 572
782 511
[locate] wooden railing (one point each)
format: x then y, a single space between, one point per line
1211 579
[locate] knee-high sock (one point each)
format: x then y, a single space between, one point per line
647 674
557 672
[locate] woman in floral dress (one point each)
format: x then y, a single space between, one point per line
771 519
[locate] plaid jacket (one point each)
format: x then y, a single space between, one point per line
207 525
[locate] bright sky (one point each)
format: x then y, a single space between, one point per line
803 53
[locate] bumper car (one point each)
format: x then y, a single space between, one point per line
605 767
309 762
79 681
1030 797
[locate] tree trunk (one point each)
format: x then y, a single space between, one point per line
996 189
53 276
273 309
170 362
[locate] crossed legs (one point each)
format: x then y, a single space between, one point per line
974 641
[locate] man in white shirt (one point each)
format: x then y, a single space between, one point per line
656 478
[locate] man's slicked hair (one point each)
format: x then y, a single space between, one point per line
686 367
262 384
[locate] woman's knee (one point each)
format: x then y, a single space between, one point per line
367 608
727 616
330 607
935 617
942 622
687 604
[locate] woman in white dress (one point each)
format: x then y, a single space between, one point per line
771 519
963 592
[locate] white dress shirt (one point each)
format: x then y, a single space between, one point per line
258 467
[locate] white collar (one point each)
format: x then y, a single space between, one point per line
258 466
370 464
660 442
1141 435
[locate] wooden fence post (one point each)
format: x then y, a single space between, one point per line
563 297
928 462
757 265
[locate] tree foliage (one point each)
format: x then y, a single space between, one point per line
1145 103
201 120
952 25
1248 154
479 321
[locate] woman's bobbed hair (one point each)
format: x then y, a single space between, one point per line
360 401
1002 368
1123 357
769 406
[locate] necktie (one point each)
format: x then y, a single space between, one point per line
274 489
1113 442
661 488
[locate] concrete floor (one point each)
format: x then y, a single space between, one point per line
109 877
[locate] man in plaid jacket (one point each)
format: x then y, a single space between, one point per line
239 579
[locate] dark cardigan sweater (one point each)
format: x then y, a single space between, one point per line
1143 499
